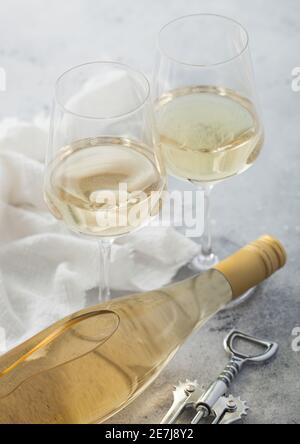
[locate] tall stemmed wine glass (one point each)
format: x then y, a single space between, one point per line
206 106
104 176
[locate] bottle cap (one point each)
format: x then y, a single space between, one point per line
253 264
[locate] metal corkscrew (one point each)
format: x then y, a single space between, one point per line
215 403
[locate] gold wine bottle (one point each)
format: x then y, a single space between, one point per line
87 367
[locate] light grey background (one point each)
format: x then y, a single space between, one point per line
42 38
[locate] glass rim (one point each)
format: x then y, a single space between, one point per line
197 65
125 67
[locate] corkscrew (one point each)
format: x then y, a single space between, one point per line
215 403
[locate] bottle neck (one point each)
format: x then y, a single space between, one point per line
202 296
251 265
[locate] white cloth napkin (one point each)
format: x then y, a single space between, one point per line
45 271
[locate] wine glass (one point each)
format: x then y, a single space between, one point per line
104 175
206 106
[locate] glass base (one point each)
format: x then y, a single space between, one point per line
241 300
203 262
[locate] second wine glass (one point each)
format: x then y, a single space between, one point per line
206 106
104 177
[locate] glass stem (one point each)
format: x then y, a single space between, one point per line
206 242
105 258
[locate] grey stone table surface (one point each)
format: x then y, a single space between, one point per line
41 38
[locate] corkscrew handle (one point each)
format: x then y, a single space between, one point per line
270 349
238 359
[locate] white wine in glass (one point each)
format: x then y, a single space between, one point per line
83 186
104 176
208 134
206 106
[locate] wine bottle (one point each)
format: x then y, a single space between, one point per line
89 366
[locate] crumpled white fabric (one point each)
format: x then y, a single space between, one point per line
45 271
